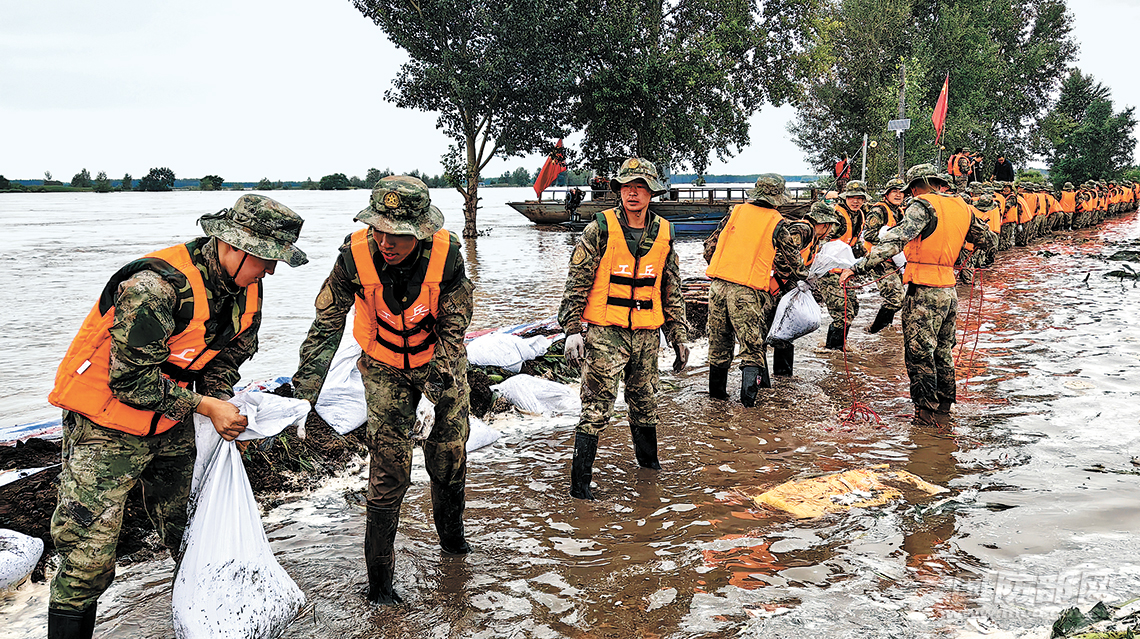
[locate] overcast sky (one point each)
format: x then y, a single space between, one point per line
289 89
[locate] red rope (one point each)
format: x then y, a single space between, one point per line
858 412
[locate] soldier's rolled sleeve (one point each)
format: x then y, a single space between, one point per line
676 328
140 335
336 297
221 374
914 219
712 240
580 279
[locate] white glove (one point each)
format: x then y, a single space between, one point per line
575 349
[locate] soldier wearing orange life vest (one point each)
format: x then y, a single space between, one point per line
931 234
405 276
164 341
624 284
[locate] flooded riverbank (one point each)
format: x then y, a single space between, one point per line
1040 516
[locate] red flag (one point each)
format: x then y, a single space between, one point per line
551 169
939 116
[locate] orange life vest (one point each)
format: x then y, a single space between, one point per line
400 339
852 235
627 290
1042 204
930 260
952 165
82 382
1069 201
745 250
992 218
1028 205
888 223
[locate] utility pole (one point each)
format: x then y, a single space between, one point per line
902 114
864 176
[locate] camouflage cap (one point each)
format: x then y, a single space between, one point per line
770 189
1068 186
638 169
984 202
822 213
893 184
401 205
855 188
925 173
260 226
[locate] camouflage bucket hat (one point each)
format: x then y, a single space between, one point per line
984 202
259 226
401 205
822 213
855 188
638 169
893 184
769 188
925 173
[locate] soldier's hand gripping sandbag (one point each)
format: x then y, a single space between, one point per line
797 315
575 348
682 358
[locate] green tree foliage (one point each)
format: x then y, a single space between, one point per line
4 183
210 183
102 183
81 180
125 185
676 81
47 177
334 182
1004 58
1082 138
373 176
266 185
160 179
500 74
521 177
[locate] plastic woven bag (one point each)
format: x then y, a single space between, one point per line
540 396
341 402
797 315
834 254
505 350
228 582
19 554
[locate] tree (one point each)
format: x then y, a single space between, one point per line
475 63
102 183
1005 58
81 180
265 185
334 182
125 185
161 179
210 183
374 176
47 177
1082 138
676 81
4 183
521 177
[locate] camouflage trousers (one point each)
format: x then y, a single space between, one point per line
961 182
1005 239
929 315
392 396
890 285
841 312
739 313
100 466
614 353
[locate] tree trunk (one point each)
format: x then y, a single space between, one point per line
471 195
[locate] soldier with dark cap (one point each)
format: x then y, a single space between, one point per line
625 285
885 214
754 256
931 234
163 342
849 211
405 276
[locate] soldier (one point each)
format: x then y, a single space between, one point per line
931 235
625 284
164 341
1068 202
849 210
754 256
405 275
965 166
885 215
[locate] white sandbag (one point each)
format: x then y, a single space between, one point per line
341 402
834 254
899 259
480 433
19 554
797 315
540 396
505 350
229 584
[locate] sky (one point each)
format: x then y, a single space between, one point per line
293 89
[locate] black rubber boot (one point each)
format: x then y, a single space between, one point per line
582 469
749 379
447 509
380 554
645 447
782 359
71 624
835 338
882 320
718 382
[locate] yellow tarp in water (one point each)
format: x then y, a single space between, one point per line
859 488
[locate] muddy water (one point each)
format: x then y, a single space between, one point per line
1039 517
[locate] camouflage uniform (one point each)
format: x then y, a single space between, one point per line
843 307
887 274
153 302
965 165
929 313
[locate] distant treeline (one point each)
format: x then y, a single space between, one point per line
688 178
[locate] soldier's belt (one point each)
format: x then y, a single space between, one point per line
638 305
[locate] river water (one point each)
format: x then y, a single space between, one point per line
1041 513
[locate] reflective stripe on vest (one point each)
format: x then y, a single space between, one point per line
745 250
398 339
82 382
930 261
627 290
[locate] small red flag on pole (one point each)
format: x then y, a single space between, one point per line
939 116
551 169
